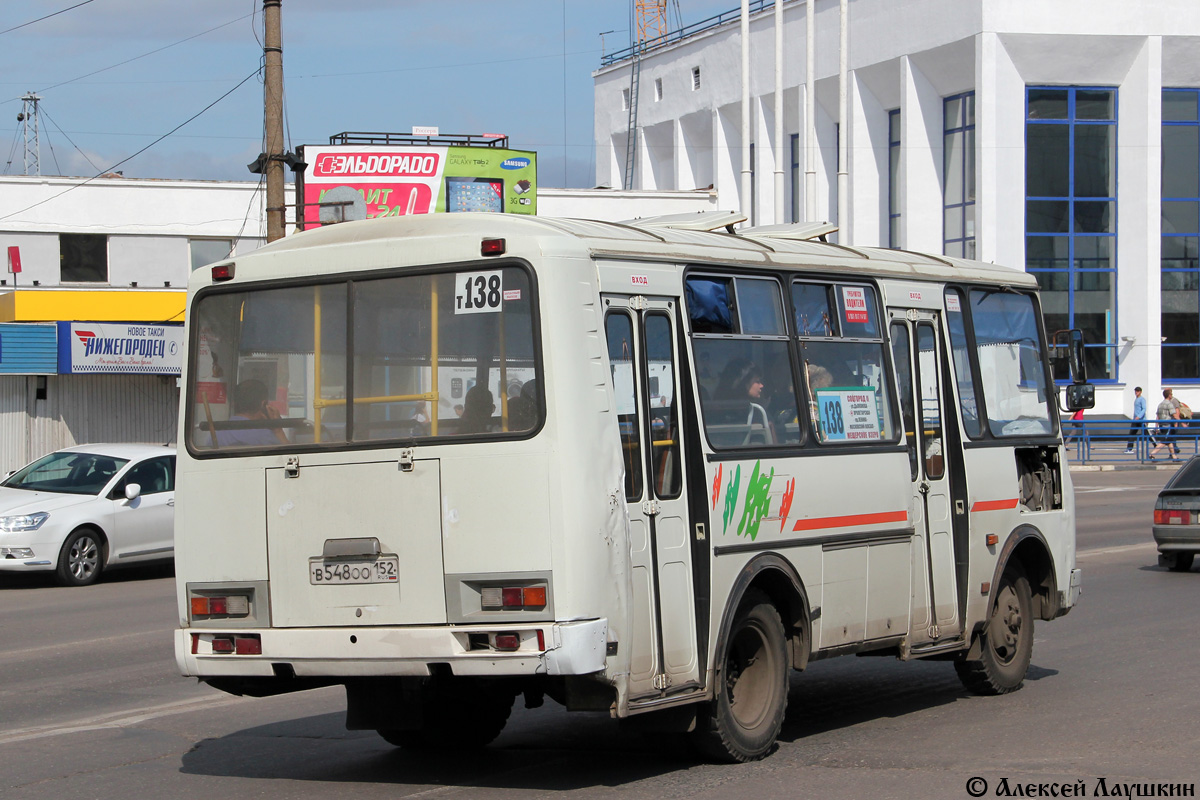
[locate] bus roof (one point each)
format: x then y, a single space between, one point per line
636 242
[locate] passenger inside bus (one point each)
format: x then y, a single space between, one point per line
477 410
250 403
739 400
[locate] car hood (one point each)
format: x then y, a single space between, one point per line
24 501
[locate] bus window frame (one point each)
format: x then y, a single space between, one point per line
986 437
348 279
831 284
781 281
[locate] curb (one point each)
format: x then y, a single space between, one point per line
1169 467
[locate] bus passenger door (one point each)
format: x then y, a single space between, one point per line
918 355
642 351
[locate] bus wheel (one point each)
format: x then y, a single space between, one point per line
1006 641
456 715
743 719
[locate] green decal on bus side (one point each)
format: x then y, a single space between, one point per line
731 493
758 501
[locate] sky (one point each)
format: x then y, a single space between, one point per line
116 75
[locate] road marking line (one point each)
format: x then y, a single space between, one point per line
166 632
115 720
1104 551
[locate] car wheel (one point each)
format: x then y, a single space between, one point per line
1176 562
744 718
81 559
1006 641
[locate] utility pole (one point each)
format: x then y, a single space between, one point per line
273 118
29 124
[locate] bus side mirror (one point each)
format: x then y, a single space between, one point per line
1080 396
1075 355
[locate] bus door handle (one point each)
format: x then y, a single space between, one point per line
923 487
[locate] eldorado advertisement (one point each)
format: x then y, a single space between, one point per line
397 180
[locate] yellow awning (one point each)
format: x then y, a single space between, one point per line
53 304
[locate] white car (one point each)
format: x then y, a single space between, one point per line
82 510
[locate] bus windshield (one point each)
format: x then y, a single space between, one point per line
1010 363
445 355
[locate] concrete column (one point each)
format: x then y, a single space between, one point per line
920 161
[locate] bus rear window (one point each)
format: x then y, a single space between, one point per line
446 355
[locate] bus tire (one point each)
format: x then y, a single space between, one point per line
743 720
81 559
454 716
1006 641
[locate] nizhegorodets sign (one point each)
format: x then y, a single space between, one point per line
106 347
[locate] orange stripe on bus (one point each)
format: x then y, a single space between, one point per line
994 505
852 519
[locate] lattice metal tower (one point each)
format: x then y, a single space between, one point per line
29 125
650 26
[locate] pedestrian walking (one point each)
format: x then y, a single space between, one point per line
1138 424
1076 431
1167 414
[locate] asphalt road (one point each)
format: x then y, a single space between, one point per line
91 707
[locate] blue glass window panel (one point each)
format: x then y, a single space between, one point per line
1048 103
1180 216
1047 160
1179 106
1180 161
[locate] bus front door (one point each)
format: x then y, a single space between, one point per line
642 350
919 358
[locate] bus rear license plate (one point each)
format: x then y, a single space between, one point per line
385 569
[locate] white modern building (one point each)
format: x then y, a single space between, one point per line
1060 137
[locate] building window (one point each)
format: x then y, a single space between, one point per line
1071 214
958 167
796 184
695 78
624 99
657 89
206 251
1180 234
894 178
83 257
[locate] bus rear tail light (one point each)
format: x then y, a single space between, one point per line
508 641
249 644
492 247
222 272
234 605
494 598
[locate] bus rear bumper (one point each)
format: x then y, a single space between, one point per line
564 648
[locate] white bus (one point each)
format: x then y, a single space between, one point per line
448 460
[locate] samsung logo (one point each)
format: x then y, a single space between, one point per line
515 163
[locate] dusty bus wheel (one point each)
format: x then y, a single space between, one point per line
456 716
1006 641
743 719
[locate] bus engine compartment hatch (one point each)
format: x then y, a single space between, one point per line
318 522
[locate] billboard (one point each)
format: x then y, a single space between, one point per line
395 180
106 347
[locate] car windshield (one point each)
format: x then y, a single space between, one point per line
67 473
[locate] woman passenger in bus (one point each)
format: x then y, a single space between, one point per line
250 403
739 397
477 410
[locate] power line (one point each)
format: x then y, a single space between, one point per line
135 58
39 19
68 138
138 153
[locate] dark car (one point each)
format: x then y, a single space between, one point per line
1177 518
